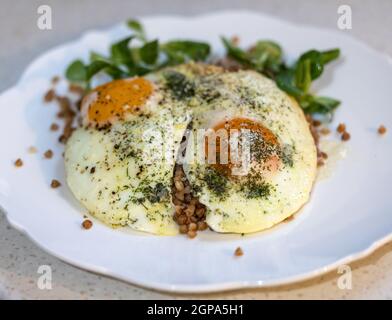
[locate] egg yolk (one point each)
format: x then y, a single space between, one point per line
117 98
262 142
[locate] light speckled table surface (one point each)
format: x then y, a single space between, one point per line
21 41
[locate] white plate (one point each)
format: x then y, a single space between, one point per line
349 215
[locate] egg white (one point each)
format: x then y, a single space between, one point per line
123 174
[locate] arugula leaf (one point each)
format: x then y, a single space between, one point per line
95 67
296 81
82 74
127 61
330 55
110 69
273 50
115 72
317 60
120 53
323 105
96 56
309 67
235 52
266 55
137 28
303 75
149 52
139 70
285 80
313 58
180 51
76 71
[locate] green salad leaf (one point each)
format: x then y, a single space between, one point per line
265 56
149 52
181 51
286 80
137 28
127 60
330 55
120 53
76 72
236 53
322 105
94 67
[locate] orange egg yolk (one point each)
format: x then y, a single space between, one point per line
262 145
117 98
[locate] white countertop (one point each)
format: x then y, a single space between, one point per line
21 41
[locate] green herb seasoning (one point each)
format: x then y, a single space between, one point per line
255 187
179 85
216 182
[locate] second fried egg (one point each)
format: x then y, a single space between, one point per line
274 178
119 165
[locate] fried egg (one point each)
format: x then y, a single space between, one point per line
274 179
119 164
